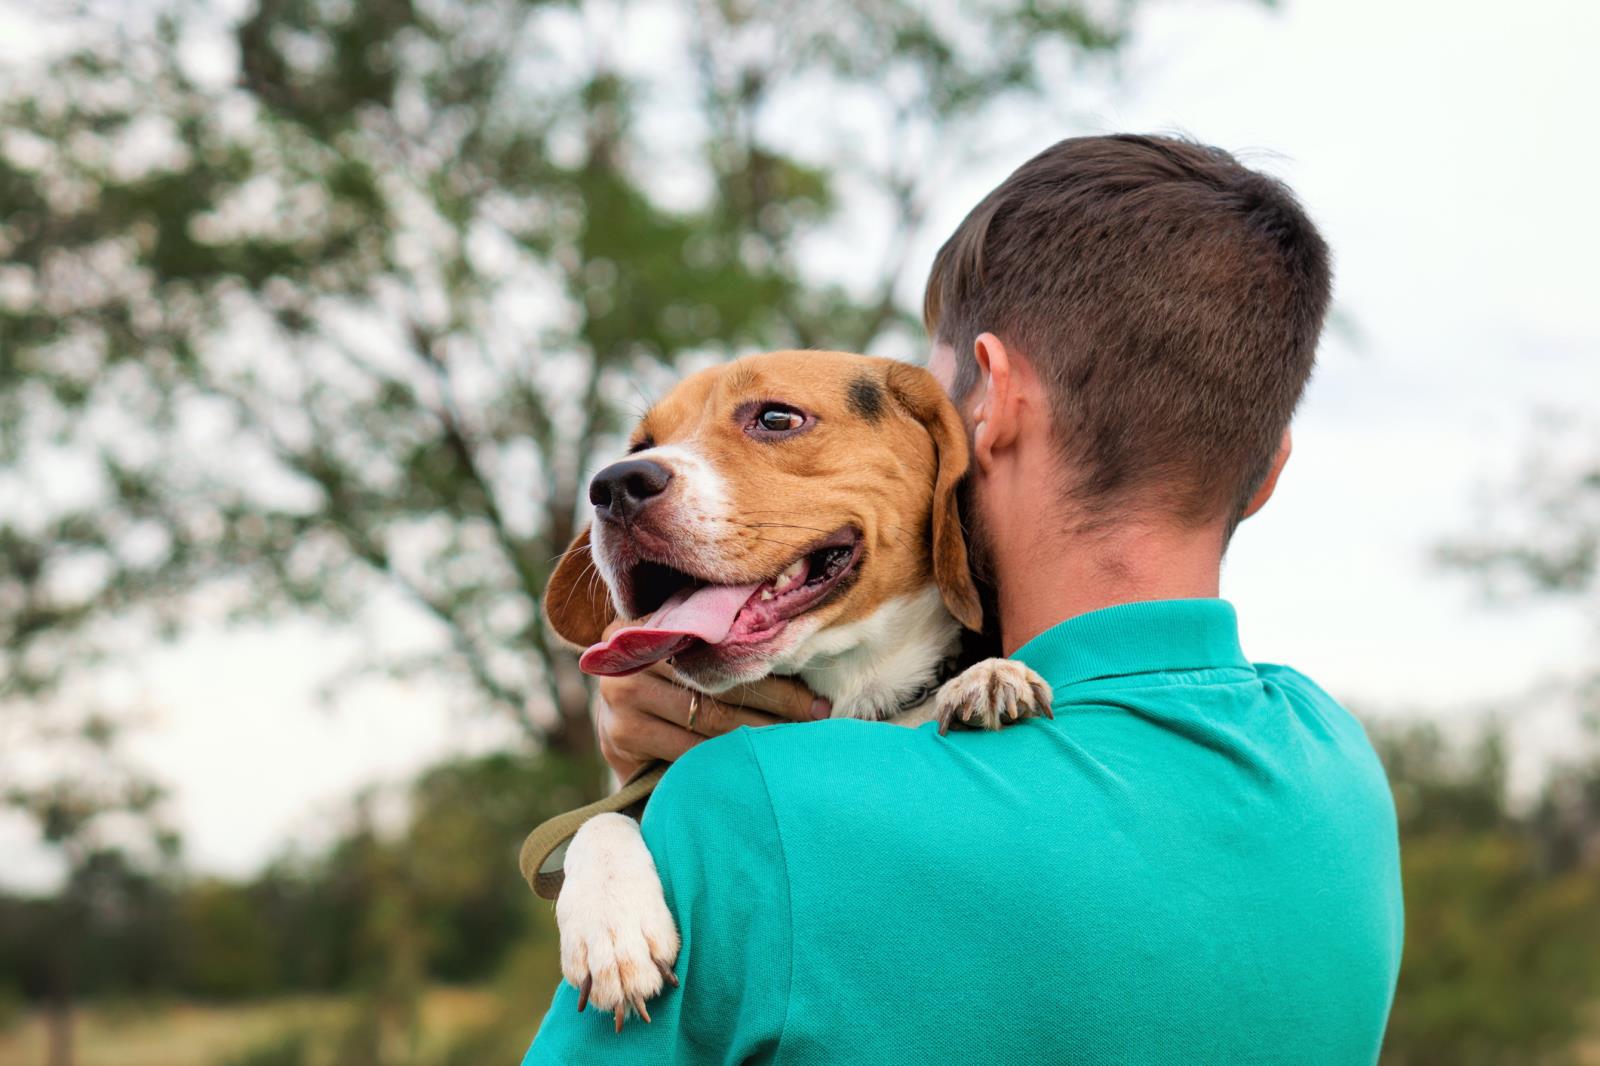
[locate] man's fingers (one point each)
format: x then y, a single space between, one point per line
651 715
665 740
774 698
628 741
647 694
780 696
783 697
712 717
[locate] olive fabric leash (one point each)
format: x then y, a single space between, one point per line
544 853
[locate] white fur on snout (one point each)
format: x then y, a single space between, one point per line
612 916
699 490
702 516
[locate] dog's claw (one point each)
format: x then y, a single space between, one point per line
666 973
620 1014
1041 699
583 993
638 1007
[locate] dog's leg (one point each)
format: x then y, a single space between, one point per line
992 693
618 940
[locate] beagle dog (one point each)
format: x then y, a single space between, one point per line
788 513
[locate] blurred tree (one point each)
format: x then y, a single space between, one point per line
329 309
1534 977
381 913
468 819
109 920
227 945
1501 943
1566 819
1539 537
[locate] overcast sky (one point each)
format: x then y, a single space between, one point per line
1448 152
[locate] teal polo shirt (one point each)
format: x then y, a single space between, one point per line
1194 862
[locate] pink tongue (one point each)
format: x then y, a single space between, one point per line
706 613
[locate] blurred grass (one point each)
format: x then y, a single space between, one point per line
199 1034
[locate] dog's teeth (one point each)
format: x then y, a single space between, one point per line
792 572
766 594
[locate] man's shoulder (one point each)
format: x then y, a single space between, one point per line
718 772
755 767
1341 737
1311 698
1278 673
711 811
797 783
736 813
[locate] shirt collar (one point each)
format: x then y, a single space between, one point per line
1154 636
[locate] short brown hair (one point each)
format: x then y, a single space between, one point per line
1169 298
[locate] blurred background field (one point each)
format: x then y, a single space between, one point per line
301 1029
315 314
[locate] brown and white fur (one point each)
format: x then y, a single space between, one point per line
870 468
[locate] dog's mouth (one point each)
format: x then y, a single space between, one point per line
686 613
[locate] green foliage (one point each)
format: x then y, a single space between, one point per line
1439 787
378 914
1500 961
227 948
468 822
1501 941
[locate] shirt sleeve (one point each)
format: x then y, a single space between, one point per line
711 829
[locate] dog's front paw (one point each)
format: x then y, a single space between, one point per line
618 940
992 693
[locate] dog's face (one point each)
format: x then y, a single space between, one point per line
763 502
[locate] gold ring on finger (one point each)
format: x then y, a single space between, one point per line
694 708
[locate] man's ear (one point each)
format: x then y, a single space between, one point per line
995 415
919 393
576 599
1263 493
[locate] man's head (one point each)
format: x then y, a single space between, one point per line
1165 300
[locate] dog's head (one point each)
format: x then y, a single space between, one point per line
761 503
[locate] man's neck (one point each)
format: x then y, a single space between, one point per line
1063 576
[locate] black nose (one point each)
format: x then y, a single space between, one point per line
621 489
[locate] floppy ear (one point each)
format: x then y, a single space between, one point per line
920 394
576 599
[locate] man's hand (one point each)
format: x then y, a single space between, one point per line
646 716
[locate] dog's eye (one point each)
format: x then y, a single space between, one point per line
642 444
780 419
769 420
776 419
